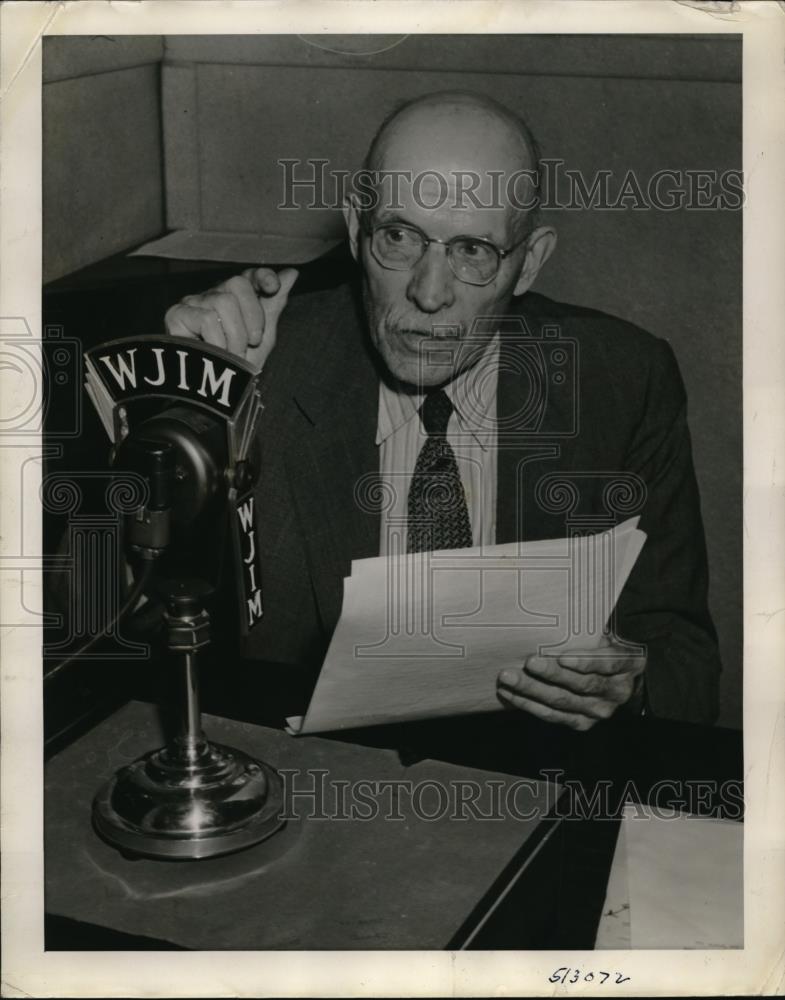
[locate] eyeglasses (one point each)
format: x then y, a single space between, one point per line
473 260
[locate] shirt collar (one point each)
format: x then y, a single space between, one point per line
473 395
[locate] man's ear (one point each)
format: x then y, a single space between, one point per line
540 245
351 216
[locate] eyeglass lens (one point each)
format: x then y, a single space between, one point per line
400 248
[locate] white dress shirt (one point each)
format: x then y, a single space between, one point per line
472 434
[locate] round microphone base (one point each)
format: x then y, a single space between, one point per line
188 802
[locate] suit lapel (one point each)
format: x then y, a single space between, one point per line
536 420
333 463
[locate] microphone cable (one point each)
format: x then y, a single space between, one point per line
128 604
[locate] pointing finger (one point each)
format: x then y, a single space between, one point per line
264 280
275 304
253 316
272 307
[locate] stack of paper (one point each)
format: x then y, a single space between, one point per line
677 881
426 635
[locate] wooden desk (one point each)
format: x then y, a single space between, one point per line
324 883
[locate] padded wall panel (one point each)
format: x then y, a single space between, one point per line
102 166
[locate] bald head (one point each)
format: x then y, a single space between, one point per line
461 111
457 131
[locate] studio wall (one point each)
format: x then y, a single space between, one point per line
102 160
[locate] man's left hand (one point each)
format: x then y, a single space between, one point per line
575 689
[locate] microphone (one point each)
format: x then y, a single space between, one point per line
182 454
183 415
148 529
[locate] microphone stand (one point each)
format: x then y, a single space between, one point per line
192 798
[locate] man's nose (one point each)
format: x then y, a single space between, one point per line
432 285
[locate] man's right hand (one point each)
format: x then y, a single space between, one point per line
240 315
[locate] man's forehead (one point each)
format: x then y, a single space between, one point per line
443 188
457 137
452 154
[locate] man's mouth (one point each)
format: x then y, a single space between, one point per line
435 333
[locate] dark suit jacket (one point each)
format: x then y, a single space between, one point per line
592 429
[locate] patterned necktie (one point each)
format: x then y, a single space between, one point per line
438 517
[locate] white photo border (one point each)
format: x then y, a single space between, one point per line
760 966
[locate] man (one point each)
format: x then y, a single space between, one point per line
430 380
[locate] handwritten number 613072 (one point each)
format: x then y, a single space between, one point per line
569 976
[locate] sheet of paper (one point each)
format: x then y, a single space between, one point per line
614 929
426 635
237 248
685 877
